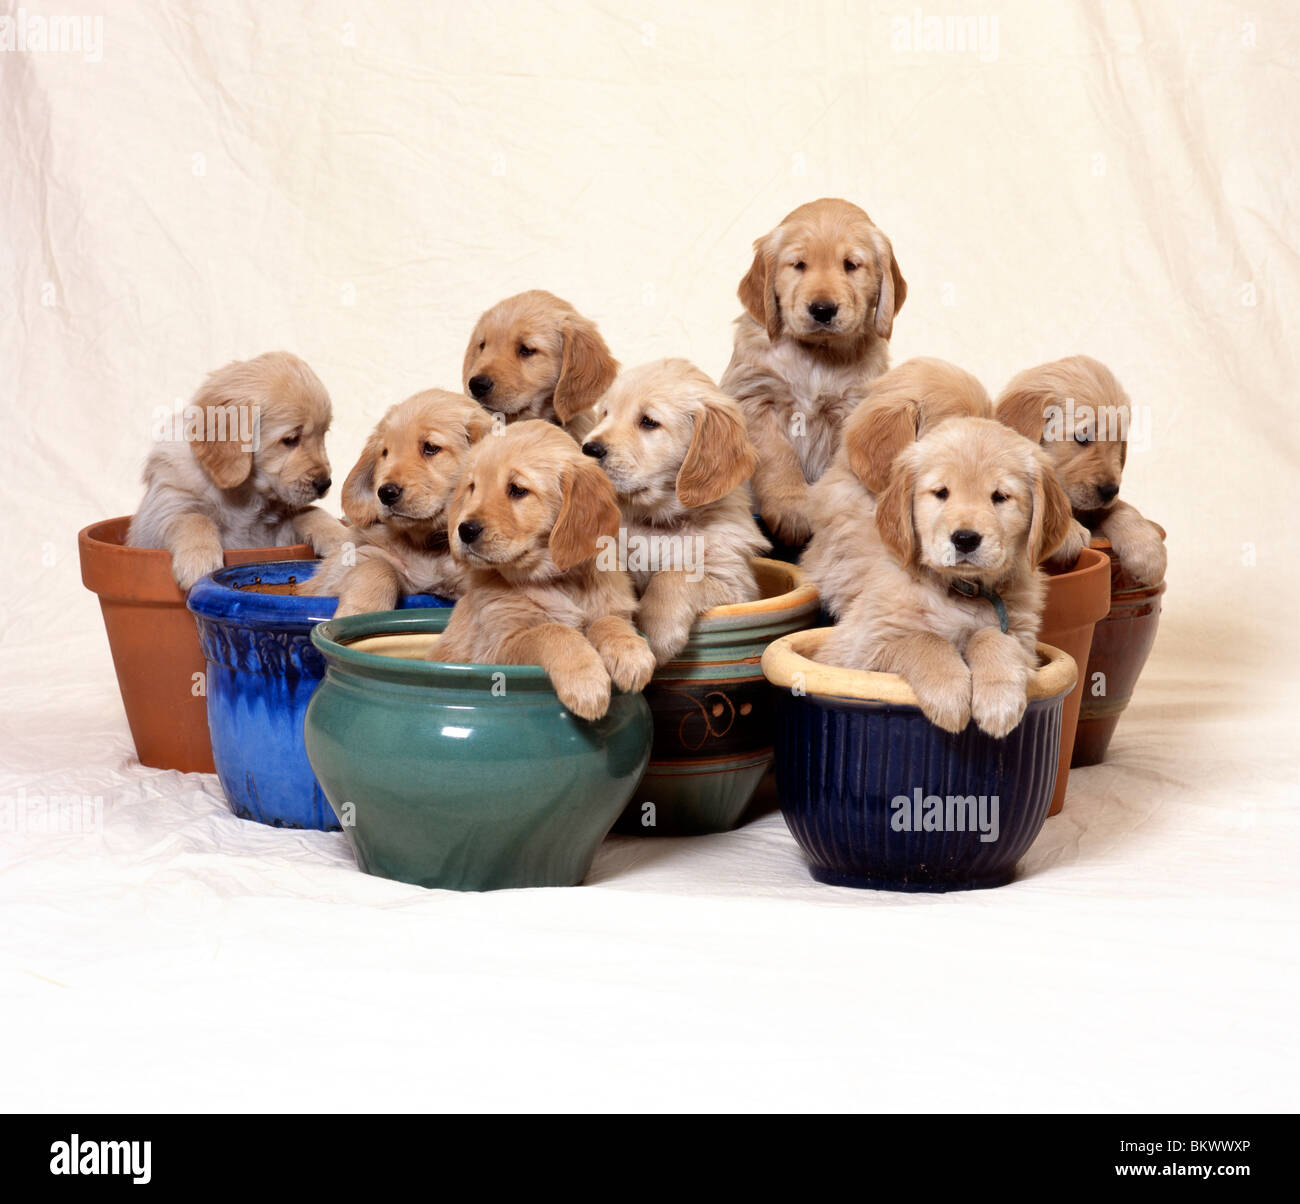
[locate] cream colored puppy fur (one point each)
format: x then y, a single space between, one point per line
1088 445
901 406
396 497
820 300
971 501
534 356
224 490
526 521
675 448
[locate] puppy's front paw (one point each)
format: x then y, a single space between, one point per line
665 636
1143 556
1075 541
630 662
947 705
788 522
585 690
997 706
327 542
191 564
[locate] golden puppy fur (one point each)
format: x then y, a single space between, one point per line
820 300
902 405
1088 447
397 497
526 520
534 356
972 502
220 489
676 450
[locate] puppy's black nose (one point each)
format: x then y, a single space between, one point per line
469 531
823 311
388 494
1107 492
322 486
965 540
594 448
480 386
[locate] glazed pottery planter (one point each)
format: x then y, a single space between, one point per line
713 712
154 643
1076 601
879 797
464 777
262 669
1121 644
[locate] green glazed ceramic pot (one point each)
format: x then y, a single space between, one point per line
713 712
463 777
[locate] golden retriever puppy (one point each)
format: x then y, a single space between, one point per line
901 406
535 356
819 301
676 450
397 497
1076 409
239 468
527 520
954 602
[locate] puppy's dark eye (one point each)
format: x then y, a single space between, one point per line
525 351
516 491
383 455
649 423
482 345
291 440
998 497
942 494
850 266
429 449
800 265
1082 436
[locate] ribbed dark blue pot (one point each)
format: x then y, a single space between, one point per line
840 763
262 671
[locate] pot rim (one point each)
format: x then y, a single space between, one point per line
802 595
104 555
1083 589
216 598
333 639
792 654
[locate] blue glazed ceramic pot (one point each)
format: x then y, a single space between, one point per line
262 670
879 797
463 777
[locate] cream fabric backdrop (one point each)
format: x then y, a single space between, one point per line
356 183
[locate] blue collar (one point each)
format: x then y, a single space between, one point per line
968 589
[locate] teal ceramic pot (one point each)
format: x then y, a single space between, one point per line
713 712
463 777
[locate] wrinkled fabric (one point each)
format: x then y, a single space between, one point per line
357 183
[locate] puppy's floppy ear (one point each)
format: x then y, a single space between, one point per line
1050 522
224 460
471 350
720 456
359 501
874 435
756 288
893 288
586 370
1022 410
478 423
589 510
894 512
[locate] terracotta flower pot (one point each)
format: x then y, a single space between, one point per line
713 712
1076 601
879 797
1121 644
155 645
